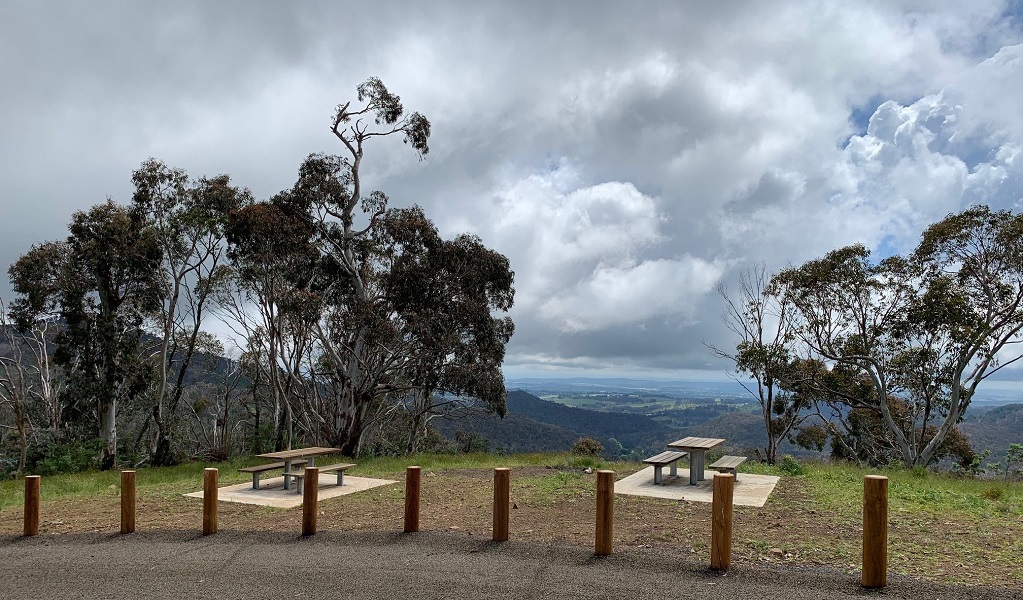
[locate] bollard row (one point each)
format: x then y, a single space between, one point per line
875 513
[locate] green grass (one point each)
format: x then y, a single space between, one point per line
839 487
173 481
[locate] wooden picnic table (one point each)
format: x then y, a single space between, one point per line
697 448
288 456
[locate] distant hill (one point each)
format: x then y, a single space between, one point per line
513 434
534 425
994 429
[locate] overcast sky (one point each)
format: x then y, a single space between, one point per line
626 156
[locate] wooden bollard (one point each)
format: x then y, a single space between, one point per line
604 539
128 501
309 498
209 501
875 532
413 481
32 503
502 485
721 522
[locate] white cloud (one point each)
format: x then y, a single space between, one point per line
632 294
624 160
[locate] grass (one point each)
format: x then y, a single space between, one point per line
173 481
941 527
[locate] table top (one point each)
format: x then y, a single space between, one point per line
300 453
696 443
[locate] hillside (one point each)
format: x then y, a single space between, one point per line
994 429
534 424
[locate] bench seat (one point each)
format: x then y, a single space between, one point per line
340 468
669 458
258 470
728 464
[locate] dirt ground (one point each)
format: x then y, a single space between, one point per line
557 506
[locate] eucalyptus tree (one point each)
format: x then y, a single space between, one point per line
399 309
101 282
188 220
923 329
269 298
765 353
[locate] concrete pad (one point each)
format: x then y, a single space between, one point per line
749 489
271 491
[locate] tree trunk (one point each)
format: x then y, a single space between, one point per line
108 433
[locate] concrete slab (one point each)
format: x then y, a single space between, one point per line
271 491
749 489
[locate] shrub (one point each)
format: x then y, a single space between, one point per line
791 466
587 446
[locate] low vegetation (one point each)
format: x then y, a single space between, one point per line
941 527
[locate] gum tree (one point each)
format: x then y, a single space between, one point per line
102 281
764 353
923 329
400 311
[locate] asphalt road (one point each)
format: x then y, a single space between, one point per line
392 566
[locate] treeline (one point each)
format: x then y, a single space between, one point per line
354 320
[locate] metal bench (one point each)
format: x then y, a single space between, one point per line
669 458
728 464
339 468
258 470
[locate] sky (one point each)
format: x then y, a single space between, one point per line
626 157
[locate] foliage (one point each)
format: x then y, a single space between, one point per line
587 446
101 282
365 312
1012 467
188 220
763 353
790 466
908 340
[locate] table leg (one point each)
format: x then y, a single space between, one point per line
312 461
287 469
695 466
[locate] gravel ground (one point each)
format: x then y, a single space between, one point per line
175 564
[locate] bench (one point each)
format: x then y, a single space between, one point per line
258 470
668 457
340 468
728 464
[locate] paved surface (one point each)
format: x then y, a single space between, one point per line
176 565
271 491
748 490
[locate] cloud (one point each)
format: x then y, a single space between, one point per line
625 161
624 294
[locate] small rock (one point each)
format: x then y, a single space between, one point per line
777 553
515 506
454 528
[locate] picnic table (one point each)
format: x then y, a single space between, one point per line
697 448
298 454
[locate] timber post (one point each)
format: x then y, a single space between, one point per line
310 495
721 522
604 539
502 484
875 532
32 503
413 481
127 501
209 501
